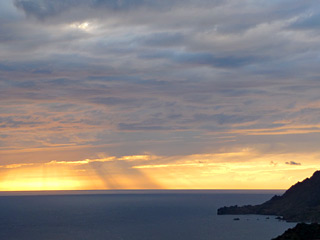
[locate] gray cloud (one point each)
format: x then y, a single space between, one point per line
293 163
113 101
215 61
225 119
43 9
129 73
307 22
17 122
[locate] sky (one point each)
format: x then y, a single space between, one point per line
171 94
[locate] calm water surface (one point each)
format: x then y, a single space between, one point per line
144 215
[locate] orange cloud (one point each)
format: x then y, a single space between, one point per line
243 169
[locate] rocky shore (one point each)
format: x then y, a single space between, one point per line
300 203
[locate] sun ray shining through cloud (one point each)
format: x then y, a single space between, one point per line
245 169
158 94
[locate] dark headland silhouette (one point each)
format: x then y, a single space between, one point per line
300 203
301 232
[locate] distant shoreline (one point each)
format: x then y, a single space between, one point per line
140 191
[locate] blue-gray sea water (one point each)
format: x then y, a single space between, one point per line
135 215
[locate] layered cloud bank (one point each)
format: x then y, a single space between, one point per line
171 79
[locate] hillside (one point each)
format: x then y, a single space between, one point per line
301 232
300 203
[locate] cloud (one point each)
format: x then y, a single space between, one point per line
215 61
11 166
81 162
148 171
117 101
106 159
167 77
307 21
43 9
293 163
222 119
112 171
141 127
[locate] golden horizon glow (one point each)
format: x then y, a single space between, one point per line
243 169
116 95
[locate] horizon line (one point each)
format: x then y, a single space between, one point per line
135 191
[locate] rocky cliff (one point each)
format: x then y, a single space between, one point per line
300 203
301 232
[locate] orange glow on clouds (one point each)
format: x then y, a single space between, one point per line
243 169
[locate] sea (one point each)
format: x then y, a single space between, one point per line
135 215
